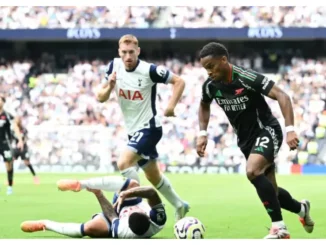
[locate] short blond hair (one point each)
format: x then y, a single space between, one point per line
127 39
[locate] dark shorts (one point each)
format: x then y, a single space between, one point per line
267 143
5 152
23 154
144 142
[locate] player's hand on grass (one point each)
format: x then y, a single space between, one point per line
122 196
95 191
292 140
201 145
169 112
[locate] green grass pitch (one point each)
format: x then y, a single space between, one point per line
226 204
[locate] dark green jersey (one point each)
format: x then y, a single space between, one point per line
243 102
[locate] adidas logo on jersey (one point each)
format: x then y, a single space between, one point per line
130 95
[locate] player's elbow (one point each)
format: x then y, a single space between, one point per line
180 83
100 97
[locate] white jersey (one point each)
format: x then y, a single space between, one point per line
136 93
120 226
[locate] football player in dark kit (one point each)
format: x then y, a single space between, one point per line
23 153
5 142
240 93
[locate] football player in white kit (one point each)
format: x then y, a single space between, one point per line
129 217
135 82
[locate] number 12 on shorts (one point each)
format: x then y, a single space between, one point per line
262 141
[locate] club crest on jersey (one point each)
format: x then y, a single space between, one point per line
130 95
238 91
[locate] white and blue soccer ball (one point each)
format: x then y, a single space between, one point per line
189 228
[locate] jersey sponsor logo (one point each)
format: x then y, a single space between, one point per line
161 71
130 95
237 104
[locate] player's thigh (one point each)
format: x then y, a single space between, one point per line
144 144
262 154
128 158
98 227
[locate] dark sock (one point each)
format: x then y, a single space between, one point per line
31 168
10 175
267 195
287 202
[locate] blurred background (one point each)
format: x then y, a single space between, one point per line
53 58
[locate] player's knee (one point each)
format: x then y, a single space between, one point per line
133 183
93 230
253 172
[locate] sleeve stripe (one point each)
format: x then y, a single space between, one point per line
245 74
168 77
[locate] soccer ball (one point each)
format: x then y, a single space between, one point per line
189 228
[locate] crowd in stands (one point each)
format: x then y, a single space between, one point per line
152 16
49 101
32 17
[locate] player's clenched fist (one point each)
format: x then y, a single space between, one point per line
292 140
169 112
201 145
112 80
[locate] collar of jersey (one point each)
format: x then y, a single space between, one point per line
135 67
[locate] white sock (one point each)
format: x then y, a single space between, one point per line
108 183
131 173
279 223
302 212
68 229
168 192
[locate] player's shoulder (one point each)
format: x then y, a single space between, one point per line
244 73
206 84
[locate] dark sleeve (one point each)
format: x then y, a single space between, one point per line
256 81
109 70
159 74
158 214
206 97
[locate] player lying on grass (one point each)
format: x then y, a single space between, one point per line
129 217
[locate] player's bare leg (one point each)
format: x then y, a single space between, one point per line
10 176
29 165
290 204
127 164
107 183
96 228
163 185
256 167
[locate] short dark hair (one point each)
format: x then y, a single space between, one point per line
139 223
214 49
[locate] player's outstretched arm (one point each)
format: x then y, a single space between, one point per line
147 192
107 208
287 110
178 88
